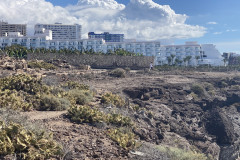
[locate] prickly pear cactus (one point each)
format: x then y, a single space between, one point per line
25 144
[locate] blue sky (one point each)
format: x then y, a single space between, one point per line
219 17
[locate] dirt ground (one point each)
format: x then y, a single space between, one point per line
175 116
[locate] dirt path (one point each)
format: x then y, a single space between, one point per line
42 115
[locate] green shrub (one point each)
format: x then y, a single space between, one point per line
119 72
52 103
75 85
197 89
208 86
180 154
222 84
118 119
80 97
125 138
12 99
41 64
24 143
127 69
59 92
85 114
23 82
113 99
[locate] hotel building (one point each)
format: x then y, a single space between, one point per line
5 28
61 31
107 37
206 53
43 38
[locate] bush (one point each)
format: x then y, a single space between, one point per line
52 103
125 138
41 64
208 86
119 72
75 85
85 114
180 154
127 69
80 97
113 99
15 139
24 92
9 116
197 89
23 82
118 119
12 99
222 84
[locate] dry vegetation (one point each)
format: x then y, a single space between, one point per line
117 114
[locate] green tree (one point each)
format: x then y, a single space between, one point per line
197 59
225 60
172 58
178 61
169 59
187 60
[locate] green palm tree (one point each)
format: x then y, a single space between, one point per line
187 59
169 59
225 60
197 59
178 61
172 56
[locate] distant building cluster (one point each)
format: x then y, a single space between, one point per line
60 36
231 58
107 37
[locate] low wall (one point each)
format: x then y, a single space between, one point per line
97 61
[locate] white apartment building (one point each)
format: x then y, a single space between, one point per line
207 54
43 39
61 31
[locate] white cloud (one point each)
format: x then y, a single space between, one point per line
231 30
140 19
217 33
212 23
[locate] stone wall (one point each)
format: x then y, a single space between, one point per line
98 61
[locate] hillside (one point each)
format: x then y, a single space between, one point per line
123 114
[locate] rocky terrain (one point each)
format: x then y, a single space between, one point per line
191 111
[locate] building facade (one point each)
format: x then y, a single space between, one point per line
5 28
206 53
198 54
107 37
61 31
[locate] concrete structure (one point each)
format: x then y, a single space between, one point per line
207 53
6 28
231 58
61 31
200 54
36 41
107 37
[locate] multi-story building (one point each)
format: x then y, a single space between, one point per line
107 37
61 31
206 53
198 54
5 28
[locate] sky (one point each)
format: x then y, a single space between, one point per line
171 21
